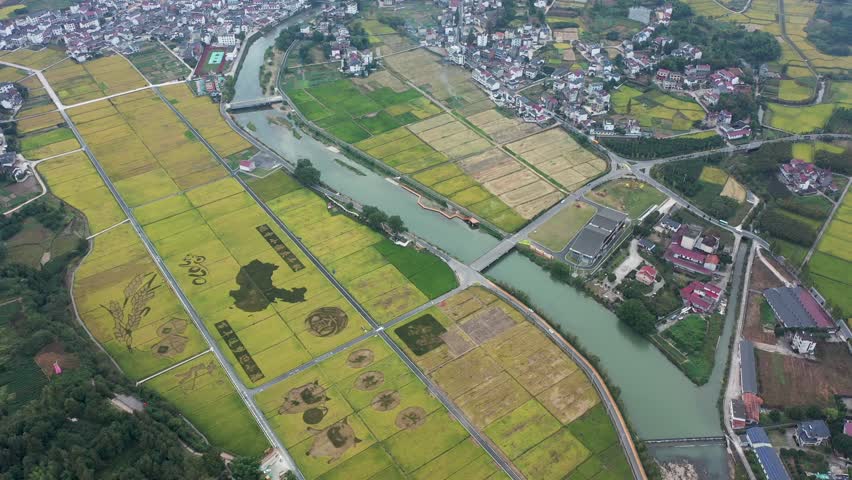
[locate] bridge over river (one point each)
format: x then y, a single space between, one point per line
687 441
253 103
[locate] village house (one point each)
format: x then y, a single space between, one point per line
804 178
803 342
647 275
812 433
700 297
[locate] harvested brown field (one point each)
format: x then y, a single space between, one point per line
752 328
786 381
570 398
556 154
492 399
380 79
517 186
487 324
502 129
733 189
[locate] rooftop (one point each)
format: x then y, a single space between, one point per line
589 241
796 307
748 367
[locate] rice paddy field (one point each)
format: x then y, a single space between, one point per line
73 179
44 144
555 233
204 116
204 395
630 196
12 74
386 279
516 386
34 59
77 82
363 414
157 64
144 147
806 150
38 101
39 122
554 153
501 128
798 119
656 109
830 266
128 307
355 110
265 303
450 85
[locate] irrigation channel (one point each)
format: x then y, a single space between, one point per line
659 400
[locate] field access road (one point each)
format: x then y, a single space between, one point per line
732 387
380 330
827 221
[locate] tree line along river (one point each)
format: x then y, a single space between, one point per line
659 401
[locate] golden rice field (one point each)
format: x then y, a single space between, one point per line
12 74
266 304
363 414
204 395
39 122
830 266
34 59
77 82
38 101
799 119
385 279
204 116
129 308
144 147
73 179
515 385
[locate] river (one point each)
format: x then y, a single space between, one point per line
659 400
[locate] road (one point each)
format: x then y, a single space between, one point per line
732 390
380 330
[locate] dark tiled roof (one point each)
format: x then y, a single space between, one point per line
748 367
795 307
589 241
813 430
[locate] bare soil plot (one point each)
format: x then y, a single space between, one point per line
520 188
786 381
733 189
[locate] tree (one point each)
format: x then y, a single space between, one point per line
775 416
374 217
245 468
396 224
306 173
634 313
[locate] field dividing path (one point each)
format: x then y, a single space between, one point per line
380 330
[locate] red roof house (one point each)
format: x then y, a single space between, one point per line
647 275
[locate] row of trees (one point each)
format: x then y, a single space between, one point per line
724 43
832 32
649 148
836 162
787 228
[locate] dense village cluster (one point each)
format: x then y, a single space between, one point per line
90 28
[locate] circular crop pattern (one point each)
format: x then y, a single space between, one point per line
369 380
360 358
326 321
411 417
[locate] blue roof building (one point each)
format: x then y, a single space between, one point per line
812 433
768 458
